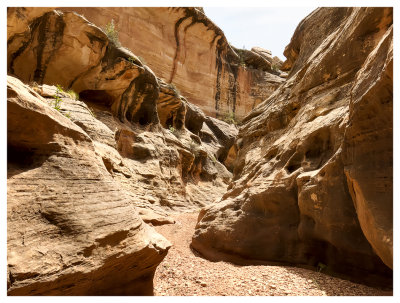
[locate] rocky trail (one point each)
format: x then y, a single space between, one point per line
184 273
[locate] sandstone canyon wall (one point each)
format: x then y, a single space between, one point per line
86 175
313 178
184 47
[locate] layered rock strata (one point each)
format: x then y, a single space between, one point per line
313 177
184 47
70 229
65 49
98 147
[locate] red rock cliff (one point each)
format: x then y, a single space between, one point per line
184 47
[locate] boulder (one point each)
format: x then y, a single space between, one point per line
253 60
224 133
194 118
265 53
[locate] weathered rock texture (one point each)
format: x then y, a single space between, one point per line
71 230
84 174
368 148
313 178
184 47
65 49
19 18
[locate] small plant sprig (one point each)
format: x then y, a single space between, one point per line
321 266
194 146
35 87
56 103
142 60
137 61
73 94
275 67
60 88
171 129
213 159
177 93
230 118
112 33
240 53
57 100
91 112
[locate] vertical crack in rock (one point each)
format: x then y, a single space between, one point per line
218 63
233 85
49 40
177 50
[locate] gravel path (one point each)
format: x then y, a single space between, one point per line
183 273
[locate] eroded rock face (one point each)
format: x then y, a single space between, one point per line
18 18
222 134
312 181
71 230
171 107
114 81
64 49
368 148
96 170
184 47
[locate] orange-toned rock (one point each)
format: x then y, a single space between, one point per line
313 178
70 229
171 106
19 18
64 49
184 47
97 165
113 79
368 148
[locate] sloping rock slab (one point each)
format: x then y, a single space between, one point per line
70 229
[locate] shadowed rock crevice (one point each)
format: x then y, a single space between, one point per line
97 96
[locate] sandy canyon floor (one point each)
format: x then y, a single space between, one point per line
184 273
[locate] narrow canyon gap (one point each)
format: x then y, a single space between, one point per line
122 119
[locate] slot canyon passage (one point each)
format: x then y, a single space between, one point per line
148 156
